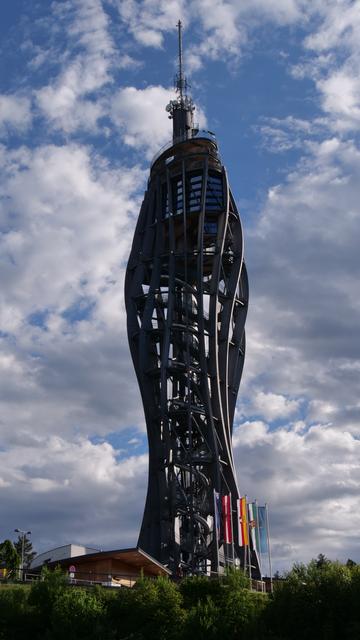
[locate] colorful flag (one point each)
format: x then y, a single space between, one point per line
264 547
253 525
242 523
227 519
217 513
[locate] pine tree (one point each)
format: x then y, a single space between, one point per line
29 553
9 556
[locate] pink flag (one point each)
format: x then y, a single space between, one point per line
227 519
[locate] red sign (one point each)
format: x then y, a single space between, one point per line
72 569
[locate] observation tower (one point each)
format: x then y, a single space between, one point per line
186 294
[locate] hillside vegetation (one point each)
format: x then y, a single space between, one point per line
315 601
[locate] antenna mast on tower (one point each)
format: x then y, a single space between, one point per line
181 110
180 81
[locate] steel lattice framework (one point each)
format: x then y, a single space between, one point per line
186 294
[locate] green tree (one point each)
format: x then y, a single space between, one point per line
77 614
15 617
314 601
222 608
322 561
350 563
45 592
152 609
10 557
29 553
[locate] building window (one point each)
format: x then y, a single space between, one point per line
194 191
177 196
214 192
210 228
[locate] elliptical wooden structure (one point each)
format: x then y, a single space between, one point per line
186 297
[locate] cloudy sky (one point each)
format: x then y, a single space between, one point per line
83 88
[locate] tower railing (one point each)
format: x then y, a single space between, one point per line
200 134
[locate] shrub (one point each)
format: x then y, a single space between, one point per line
314 601
77 613
222 608
151 609
197 589
14 612
45 592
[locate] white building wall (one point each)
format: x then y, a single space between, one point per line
60 553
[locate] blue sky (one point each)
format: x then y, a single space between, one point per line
83 90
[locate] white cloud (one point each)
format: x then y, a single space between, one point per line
279 135
15 113
67 100
335 62
140 115
73 491
339 26
302 342
147 21
341 97
302 328
223 26
68 220
64 196
273 406
311 481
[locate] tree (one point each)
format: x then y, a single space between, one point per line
29 553
10 557
350 563
322 561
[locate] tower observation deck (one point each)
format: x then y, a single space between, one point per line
186 294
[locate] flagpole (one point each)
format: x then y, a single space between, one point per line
245 547
240 526
216 527
246 550
258 536
232 532
269 548
249 545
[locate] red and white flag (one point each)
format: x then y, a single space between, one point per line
227 519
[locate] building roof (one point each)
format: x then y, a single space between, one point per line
134 557
58 553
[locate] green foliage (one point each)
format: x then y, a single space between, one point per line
202 620
350 563
318 600
13 612
29 553
46 591
223 608
77 614
152 609
199 589
10 557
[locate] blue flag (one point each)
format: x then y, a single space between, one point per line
263 530
217 512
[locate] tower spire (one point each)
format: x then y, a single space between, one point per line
180 81
181 110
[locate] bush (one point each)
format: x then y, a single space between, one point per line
44 594
315 601
151 609
198 589
222 608
77 614
14 612
319 600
